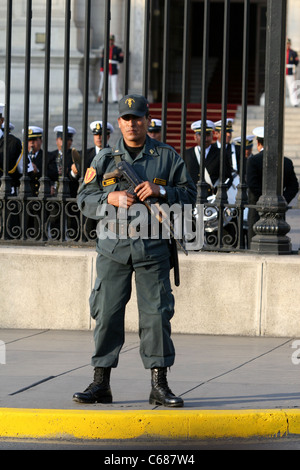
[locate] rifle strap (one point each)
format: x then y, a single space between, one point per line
117 159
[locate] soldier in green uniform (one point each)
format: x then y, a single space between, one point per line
164 177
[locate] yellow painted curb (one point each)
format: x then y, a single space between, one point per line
36 423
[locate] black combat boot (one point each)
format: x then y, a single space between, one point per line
160 393
99 390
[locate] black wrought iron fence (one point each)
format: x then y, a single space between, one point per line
28 217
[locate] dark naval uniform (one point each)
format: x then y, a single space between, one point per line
13 157
51 172
90 155
254 183
192 157
36 159
56 156
119 256
211 163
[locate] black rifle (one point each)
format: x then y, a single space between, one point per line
125 170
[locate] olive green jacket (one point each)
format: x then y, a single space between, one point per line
158 163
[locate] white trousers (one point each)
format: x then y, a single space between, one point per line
292 86
112 86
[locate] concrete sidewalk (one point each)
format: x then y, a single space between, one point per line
231 386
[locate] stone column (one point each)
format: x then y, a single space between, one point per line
136 45
117 28
293 31
38 56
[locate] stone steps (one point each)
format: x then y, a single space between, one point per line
255 118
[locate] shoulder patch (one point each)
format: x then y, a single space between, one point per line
89 175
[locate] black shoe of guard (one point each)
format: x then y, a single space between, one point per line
99 390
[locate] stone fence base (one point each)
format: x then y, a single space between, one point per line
219 294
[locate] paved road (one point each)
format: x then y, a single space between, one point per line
232 386
142 449
45 367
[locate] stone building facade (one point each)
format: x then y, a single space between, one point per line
77 47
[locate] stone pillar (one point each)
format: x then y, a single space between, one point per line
117 28
293 21
136 45
293 31
38 56
57 51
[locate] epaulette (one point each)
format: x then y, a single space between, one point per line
163 145
102 153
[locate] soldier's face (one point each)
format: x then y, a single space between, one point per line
248 152
134 129
34 145
98 139
155 135
228 136
208 138
59 142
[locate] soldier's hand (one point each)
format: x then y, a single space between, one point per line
146 189
35 168
121 199
74 169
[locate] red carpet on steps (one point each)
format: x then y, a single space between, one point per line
214 113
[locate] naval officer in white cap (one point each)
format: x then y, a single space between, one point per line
70 168
212 157
35 159
248 144
232 152
97 127
154 130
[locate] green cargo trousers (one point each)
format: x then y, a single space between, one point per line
108 299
